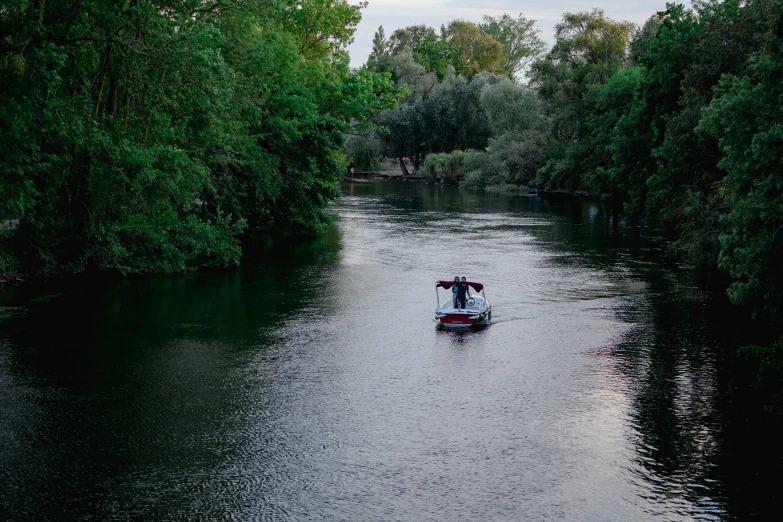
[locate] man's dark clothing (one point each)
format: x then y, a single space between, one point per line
462 290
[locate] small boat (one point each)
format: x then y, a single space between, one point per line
477 313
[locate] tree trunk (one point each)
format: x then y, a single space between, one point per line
125 105
100 93
403 168
113 95
103 77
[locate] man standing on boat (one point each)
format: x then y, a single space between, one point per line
463 292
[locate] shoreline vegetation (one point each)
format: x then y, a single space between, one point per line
153 137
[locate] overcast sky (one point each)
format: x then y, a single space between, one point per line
393 14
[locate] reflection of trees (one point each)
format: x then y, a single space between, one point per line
674 367
689 435
113 394
92 316
669 365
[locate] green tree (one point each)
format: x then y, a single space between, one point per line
745 118
642 36
456 117
380 57
424 45
519 38
322 27
619 135
684 62
511 107
476 51
588 50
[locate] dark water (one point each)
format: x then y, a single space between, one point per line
312 384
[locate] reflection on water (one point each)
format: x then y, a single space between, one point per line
311 383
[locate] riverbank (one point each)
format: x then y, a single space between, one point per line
10 279
385 174
507 189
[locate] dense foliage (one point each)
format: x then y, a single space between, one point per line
147 135
463 94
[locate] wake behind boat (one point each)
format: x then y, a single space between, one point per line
478 312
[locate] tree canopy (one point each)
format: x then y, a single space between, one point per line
476 51
518 37
148 135
502 45
445 76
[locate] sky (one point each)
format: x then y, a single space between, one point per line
393 14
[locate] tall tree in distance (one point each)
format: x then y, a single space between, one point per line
476 50
379 59
427 49
519 38
642 36
593 39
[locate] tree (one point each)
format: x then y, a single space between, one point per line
593 40
514 152
519 38
511 107
322 27
476 51
642 36
457 118
619 135
746 119
424 45
690 53
588 50
380 58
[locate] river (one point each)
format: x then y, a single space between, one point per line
312 384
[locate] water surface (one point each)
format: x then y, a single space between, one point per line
311 383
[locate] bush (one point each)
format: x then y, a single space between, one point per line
454 165
510 163
515 160
474 180
366 160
